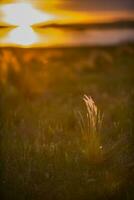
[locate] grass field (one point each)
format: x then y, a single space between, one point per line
49 148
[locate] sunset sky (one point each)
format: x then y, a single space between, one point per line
89 5
67 11
84 4
23 14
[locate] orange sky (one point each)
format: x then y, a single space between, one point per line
52 8
25 14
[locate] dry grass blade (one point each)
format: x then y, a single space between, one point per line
91 131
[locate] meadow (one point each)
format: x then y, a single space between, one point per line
53 144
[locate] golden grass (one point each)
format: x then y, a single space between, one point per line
91 131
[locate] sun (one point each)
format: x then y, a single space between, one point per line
23 14
23 36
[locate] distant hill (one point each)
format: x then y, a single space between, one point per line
114 25
3 26
82 26
6 26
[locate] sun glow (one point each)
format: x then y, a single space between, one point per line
23 14
23 36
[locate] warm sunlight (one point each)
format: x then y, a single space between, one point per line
23 36
23 14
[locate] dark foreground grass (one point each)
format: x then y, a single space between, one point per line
44 152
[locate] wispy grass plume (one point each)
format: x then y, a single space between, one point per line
91 131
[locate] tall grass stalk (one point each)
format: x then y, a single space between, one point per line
91 125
